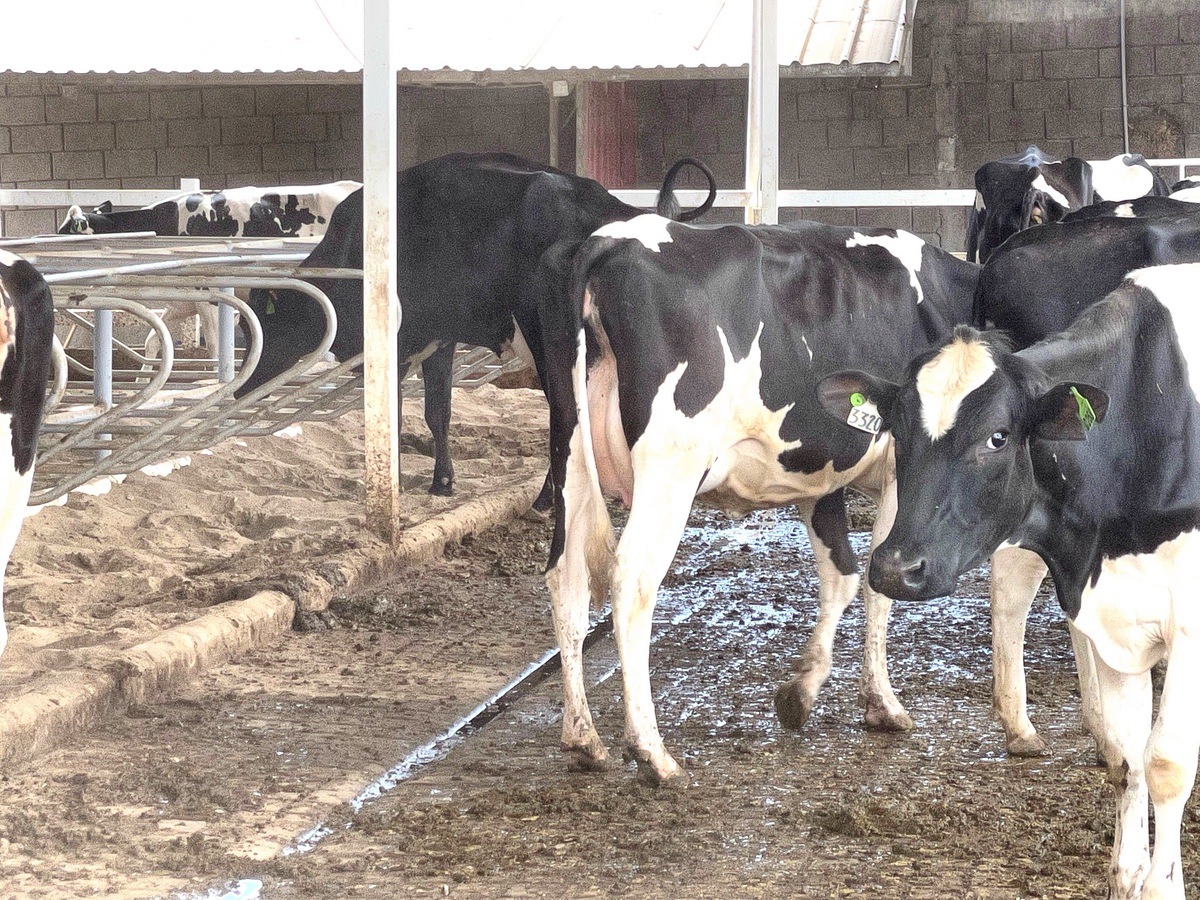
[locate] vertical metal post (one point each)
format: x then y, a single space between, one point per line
762 116
225 352
553 126
102 371
381 311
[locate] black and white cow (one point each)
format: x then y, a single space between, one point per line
26 333
1019 192
687 367
997 448
1148 207
298 211
1036 284
1187 189
484 241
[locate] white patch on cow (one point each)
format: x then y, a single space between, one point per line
905 246
804 338
1053 193
1175 288
945 381
1124 211
318 199
979 204
650 229
1187 195
8 259
517 347
1113 180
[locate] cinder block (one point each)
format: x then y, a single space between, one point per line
1069 63
1014 66
5 140
95 184
1040 95
1026 126
1095 93
22 110
972 68
182 162
921 102
885 217
1112 125
999 97
884 161
248 130
124 106
1153 31
81 108
336 98
854 134
288 156
219 102
1181 60
339 154
1101 32
22 168
27 222
1042 35
98 136
922 159
139 135
902 132
129 163
1066 124
1189 28
1158 90
31 138
289 129
193 132
234 158
175 104
281 100
1098 146
1138 61
823 105
1192 145
78 164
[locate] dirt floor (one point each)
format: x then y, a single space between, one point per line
185 797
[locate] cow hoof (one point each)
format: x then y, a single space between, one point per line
792 705
1028 746
590 758
880 719
442 487
655 773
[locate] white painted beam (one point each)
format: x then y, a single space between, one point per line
762 115
381 311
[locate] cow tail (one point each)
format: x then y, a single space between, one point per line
668 206
27 367
600 545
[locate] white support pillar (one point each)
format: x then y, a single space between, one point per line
381 311
762 116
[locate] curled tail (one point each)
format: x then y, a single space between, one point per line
668 206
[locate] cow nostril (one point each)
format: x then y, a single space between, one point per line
913 573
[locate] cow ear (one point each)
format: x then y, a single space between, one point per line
1068 411
1039 209
841 392
104 208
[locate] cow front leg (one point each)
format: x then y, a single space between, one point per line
1089 692
663 489
883 710
838 580
1171 767
437 371
1016 575
1125 702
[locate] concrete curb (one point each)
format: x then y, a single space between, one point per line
38 721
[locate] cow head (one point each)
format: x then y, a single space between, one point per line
962 424
95 222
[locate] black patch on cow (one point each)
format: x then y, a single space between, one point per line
27 368
830 526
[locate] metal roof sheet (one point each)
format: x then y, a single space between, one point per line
526 39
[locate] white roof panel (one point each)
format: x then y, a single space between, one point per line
446 36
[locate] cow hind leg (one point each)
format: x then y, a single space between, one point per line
838 579
437 371
664 487
1016 575
883 710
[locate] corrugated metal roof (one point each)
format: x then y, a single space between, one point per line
445 39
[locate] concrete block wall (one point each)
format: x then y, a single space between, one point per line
131 136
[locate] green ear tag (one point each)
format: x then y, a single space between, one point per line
1087 415
857 399
270 307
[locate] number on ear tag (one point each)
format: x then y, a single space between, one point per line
864 415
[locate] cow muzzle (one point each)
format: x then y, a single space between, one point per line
906 576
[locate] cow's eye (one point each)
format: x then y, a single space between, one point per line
997 440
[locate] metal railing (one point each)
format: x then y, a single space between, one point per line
120 409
